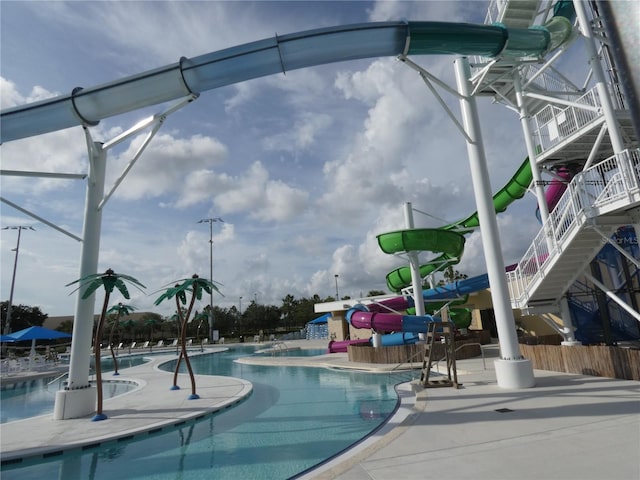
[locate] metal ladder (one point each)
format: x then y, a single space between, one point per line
446 331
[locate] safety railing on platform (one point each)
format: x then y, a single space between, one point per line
554 123
605 187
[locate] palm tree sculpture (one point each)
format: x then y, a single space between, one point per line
109 280
195 285
120 310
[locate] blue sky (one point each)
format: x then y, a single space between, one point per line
305 168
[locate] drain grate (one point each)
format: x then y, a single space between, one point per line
503 410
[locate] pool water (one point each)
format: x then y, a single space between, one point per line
30 398
295 419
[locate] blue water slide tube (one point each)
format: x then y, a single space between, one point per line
191 76
457 289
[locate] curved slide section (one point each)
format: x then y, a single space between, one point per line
448 243
192 76
513 190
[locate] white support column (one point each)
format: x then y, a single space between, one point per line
512 370
531 150
567 323
598 73
414 264
78 399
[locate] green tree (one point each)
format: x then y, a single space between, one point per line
22 316
109 280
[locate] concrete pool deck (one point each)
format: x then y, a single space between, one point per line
568 426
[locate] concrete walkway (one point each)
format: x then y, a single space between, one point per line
567 427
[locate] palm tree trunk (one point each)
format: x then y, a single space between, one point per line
184 345
175 372
96 352
113 355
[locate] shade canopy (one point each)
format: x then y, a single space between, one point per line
323 319
37 333
6 338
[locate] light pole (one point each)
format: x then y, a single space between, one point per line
7 325
337 294
240 305
211 221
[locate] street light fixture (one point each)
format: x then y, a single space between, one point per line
7 325
337 295
211 221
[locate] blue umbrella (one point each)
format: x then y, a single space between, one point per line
36 333
6 338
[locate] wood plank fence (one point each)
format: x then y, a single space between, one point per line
596 360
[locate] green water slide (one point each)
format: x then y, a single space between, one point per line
435 239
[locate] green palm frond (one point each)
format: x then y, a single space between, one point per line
109 280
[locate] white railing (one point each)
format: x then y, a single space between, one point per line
593 192
554 123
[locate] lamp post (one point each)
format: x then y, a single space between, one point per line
7 325
240 305
337 294
211 221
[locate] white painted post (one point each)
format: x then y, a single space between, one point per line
512 370
414 264
78 399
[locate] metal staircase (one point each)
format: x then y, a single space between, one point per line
595 204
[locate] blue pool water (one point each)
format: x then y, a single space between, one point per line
295 419
30 398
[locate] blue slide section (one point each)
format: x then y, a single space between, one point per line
457 289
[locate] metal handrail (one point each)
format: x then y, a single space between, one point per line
58 378
597 188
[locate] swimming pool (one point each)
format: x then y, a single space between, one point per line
295 418
30 398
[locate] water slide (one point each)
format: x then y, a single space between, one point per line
555 190
380 316
189 77
192 76
514 189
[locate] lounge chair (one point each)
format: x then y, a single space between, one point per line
160 343
189 342
133 345
174 343
145 344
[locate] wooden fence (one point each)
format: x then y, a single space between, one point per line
596 360
407 353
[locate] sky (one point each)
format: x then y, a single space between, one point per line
305 168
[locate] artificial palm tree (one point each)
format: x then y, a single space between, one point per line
119 310
109 280
195 285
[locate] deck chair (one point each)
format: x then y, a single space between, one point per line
133 345
160 343
174 343
189 342
146 344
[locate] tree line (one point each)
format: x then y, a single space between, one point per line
291 315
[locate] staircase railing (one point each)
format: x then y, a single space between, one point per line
603 188
554 123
